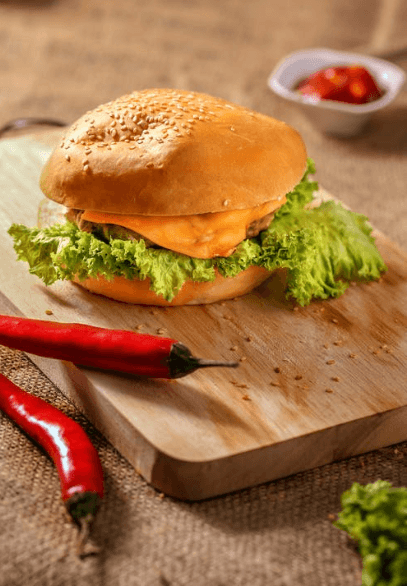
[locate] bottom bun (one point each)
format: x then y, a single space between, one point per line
191 293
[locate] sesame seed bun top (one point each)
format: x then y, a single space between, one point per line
167 152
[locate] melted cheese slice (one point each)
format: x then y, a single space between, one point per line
199 236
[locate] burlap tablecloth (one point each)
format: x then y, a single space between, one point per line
64 57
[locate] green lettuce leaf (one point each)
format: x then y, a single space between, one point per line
322 249
375 515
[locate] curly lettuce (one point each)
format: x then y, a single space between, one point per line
323 249
375 515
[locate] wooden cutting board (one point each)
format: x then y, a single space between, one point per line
314 385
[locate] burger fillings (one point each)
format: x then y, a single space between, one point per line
176 197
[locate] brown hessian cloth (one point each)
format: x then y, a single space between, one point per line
65 57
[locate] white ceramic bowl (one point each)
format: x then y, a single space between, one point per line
336 118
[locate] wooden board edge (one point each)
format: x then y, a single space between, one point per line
193 481
199 480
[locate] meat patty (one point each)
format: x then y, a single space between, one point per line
107 231
258 226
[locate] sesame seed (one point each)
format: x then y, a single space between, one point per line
298 377
68 158
330 362
49 312
226 202
277 369
150 165
85 167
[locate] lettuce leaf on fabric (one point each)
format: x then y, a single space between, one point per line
375 515
322 249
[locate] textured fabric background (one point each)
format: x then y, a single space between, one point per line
62 58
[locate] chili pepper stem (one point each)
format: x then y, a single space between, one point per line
84 546
202 363
181 362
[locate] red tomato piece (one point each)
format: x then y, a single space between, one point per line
351 84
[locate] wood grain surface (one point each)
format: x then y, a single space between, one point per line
314 384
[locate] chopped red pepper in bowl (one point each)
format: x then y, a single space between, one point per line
336 95
352 84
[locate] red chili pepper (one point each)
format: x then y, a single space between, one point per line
76 460
119 350
351 84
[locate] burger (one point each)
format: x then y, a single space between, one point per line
169 197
